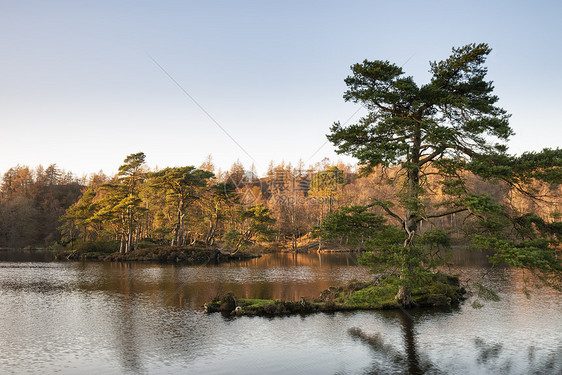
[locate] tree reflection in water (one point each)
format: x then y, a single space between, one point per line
390 359
126 330
394 360
489 355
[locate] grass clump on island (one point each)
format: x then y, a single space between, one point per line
440 290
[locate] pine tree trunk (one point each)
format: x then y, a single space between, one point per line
410 226
129 239
211 234
137 235
179 227
404 296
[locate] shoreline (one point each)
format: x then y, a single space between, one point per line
191 255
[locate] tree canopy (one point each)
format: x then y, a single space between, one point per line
183 185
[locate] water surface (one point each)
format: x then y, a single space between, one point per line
90 317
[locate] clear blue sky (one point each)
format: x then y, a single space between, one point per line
78 86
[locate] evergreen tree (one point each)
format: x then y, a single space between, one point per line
183 186
218 204
256 225
120 208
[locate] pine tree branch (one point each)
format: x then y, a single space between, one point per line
431 156
446 213
388 211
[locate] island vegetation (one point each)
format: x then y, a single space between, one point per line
433 171
440 291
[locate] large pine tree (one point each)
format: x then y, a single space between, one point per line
449 125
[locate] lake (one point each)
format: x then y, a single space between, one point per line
114 318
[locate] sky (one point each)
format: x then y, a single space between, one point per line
83 84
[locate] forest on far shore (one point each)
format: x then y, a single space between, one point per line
48 207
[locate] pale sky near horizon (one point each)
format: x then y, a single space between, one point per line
79 86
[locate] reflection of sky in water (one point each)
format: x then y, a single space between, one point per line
108 317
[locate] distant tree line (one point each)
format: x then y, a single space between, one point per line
31 203
179 206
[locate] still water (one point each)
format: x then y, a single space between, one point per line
112 318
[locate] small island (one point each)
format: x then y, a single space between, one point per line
440 291
188 255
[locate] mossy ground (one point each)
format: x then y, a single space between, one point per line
439 291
